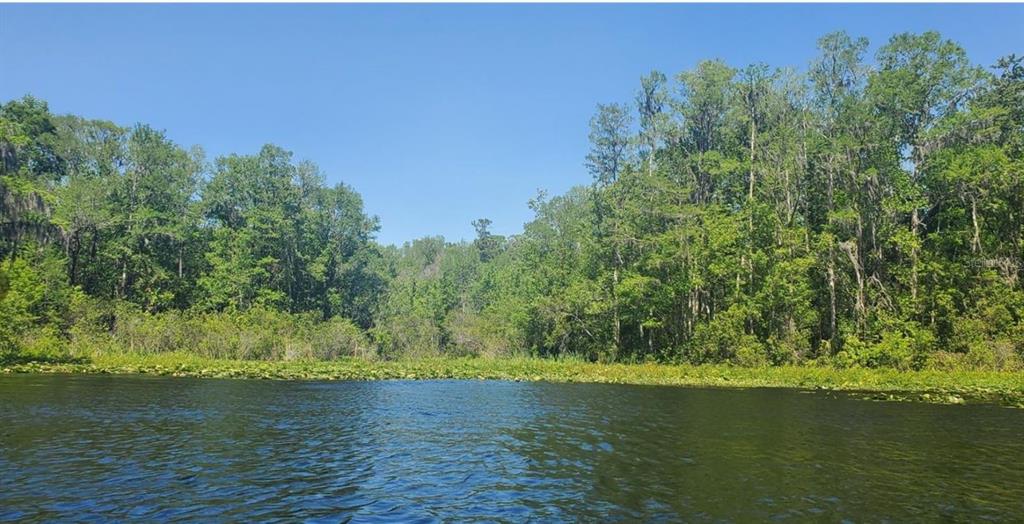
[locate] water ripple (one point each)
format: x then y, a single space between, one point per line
158 449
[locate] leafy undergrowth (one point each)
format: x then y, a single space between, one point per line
949 387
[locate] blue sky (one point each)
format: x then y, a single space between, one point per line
436 114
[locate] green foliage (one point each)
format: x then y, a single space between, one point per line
22 291
256 334
473 334
34 300
723 340
866 216
894 350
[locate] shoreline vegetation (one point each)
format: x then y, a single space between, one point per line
932 386
853 223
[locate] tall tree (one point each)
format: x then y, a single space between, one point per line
922 79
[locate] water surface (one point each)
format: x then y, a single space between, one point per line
157 448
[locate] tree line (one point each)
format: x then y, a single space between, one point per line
853 213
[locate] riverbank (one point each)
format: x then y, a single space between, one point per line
951 387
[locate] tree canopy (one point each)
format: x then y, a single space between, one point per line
857 213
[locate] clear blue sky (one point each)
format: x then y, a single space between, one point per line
437 114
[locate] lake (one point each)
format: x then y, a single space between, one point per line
160 448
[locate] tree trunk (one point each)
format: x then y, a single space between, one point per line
831 271
852 250
124 278
73 266
753 138
650 335
914 222
976 241
617 324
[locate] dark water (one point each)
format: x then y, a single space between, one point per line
157 449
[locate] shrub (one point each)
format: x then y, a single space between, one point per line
408 336
858 352
790 348
750 353
21 292
996 354
986 339
257 334
44 344
473 334
338 337
723 339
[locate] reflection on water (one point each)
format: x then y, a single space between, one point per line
115 448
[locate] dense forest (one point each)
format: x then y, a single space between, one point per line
852 212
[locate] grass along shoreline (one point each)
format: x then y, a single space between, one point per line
952 387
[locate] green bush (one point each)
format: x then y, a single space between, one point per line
895 349
985 339
470 334
338 337
791 348
724 339
408 336
21 292
257 334
997 354
750 353
45 345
